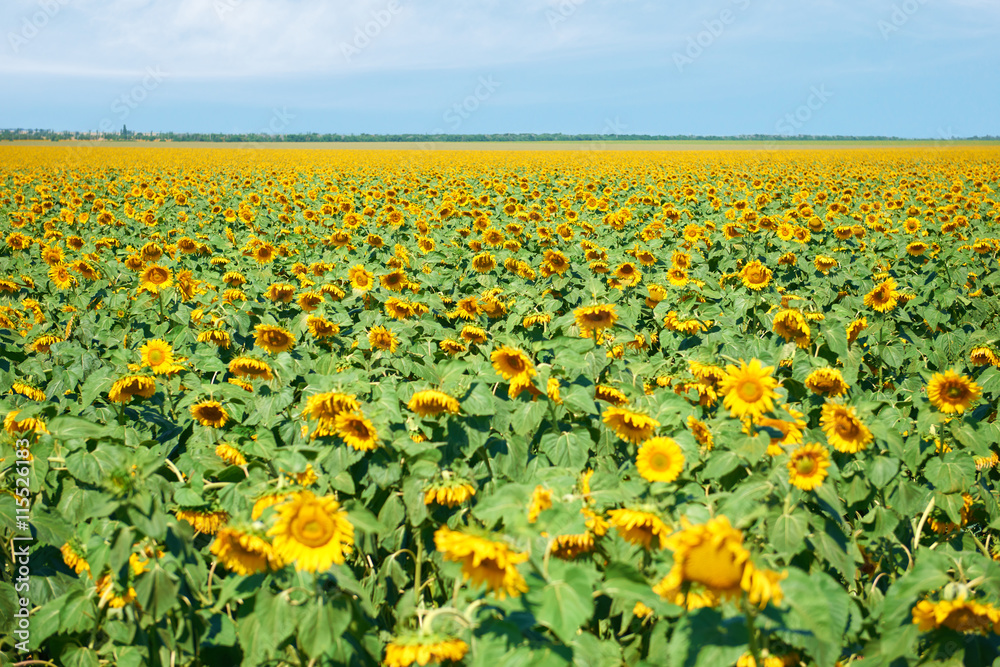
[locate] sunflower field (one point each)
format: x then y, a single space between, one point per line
595 408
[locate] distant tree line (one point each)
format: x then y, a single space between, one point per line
316 137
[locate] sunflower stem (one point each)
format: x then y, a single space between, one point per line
418 563
752 632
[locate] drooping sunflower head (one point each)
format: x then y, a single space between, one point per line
484 561
595 318
951 393
826 382
248 367
844 430
274 339
639 527
628 425
243 552
210 413
710 554
423 649
381 338
431 402
356 431
510 363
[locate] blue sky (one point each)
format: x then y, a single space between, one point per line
909 68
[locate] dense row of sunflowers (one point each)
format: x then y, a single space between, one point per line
312 408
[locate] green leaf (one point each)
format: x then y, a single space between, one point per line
580 399
882 469
951 473
625 581
321 625
569 449
929 572
788 533
528 416
565 605
66 427
820 606
479 401
720 464
156 590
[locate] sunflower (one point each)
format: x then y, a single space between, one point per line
807 466
844 431
273 339
43 343
595 318
395 281
248 367
660 460
748 390
699 430
824 264
423 649
639 527
158 355
330 405
883 296
629 274
484 262
541 500
631 426
609 395
556 262
156 278
209 413
791 325
75 557
483 561
536 319
230 454
826 382
243 553
312 532
360 278
309 301
950 392
12 425
983 356
511 363
755 276
855 328
217 337
282 292
449 492
381 338
712 556
356 431
677 276
204 522
959 614
473 334
27 391
431 402
61 277
125 388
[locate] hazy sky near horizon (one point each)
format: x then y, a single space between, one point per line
908 68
